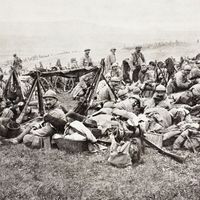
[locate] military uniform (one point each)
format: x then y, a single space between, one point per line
136 61
178 83
111 58
86 61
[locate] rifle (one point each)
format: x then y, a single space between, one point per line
21 116
16 83
40 100
95 85
110 87
177 158
83 106
161 73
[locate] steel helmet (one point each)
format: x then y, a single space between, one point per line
187 68
160 88
115 64
51 94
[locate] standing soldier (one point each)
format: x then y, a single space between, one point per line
137 58
111 58
58 64
17 64
86 60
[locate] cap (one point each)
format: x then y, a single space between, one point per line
51 94
113 49
138 47
87 50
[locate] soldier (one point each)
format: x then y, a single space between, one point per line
86 60
136 60
73 64
17 64
115 71
105 94
111 58
190 97
2 82
180 81
159 99
58 64
33 133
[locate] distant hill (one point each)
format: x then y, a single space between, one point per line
34 38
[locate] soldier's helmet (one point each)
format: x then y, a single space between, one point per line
160 88
50 94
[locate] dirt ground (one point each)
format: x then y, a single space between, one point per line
54 174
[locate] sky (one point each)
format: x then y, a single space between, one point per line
58 25
128 14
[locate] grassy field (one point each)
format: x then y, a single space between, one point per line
52 174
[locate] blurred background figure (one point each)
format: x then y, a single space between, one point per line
111 58
17 64
73 64
86 60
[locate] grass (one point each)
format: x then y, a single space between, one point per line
52 174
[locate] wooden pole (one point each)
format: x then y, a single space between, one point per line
21 116
40 99
5 92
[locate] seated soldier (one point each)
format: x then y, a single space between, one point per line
161 75
34 132
82 86
115 71
105 94
131 104
146 74
190 97
123 94
180 81
147 80
73 64
159 99
158 119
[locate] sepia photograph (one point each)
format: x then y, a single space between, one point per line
99 100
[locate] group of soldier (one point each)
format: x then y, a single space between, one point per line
133 98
